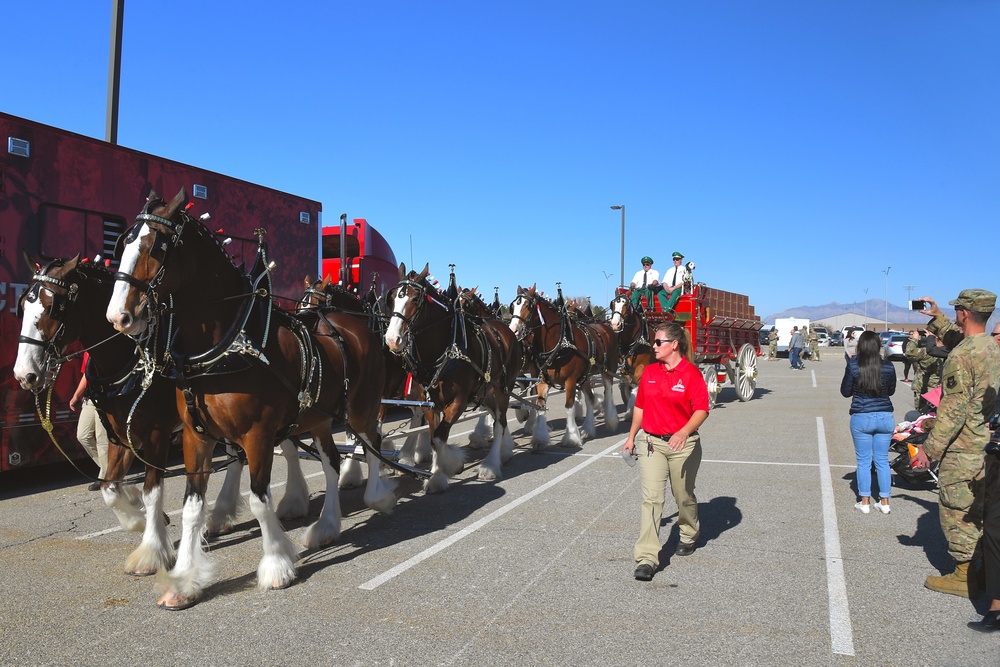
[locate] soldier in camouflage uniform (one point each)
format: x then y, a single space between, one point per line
971 378
926 369
813 345
772 345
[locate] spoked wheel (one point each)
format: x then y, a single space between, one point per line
746 372
712 380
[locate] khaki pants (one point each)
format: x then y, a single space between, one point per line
93 436
655 470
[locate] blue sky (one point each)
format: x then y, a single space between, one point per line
793 150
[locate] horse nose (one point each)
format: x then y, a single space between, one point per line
393 342
122 321
29 381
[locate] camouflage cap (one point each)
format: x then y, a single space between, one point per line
976 300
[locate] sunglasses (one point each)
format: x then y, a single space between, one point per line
996 335
660 341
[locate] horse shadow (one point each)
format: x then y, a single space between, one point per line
716 517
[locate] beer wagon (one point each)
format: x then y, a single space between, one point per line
724 333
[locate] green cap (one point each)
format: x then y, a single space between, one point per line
976 300
677 255
646 260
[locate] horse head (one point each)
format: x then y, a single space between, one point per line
406 302
520 310
51 317
621 308
142 271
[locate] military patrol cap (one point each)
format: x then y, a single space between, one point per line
646 260
976 300
677 255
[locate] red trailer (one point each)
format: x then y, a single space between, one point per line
369 257
724 334
63 194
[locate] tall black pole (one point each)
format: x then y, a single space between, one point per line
114 71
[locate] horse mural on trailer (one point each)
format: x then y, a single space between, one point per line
457 361
249 373
566 352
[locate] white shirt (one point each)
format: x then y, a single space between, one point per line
673 276
651 276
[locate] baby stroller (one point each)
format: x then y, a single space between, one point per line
901 463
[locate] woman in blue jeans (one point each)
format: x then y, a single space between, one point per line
871 380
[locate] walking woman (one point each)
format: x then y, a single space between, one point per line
672 402
871 381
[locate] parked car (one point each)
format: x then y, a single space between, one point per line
836 339
822 339
894 347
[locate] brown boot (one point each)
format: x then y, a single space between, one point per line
956 583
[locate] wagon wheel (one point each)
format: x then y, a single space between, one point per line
712 380
746 372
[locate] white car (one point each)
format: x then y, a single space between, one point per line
894 347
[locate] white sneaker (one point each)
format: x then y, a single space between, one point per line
884 509
865 509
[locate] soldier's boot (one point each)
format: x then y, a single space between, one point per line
956 583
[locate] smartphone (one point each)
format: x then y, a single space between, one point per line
917 304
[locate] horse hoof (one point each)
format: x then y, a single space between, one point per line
175 602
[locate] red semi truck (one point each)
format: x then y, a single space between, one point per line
63 194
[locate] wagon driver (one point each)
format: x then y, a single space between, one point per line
673 282
670 406
645 283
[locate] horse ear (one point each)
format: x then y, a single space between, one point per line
71 264
426 271
402 270
31 264
179 200
326 281
307 281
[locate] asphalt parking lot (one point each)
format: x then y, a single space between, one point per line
534 568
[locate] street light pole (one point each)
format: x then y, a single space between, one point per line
615 208
886 272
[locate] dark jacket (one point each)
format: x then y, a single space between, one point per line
863 401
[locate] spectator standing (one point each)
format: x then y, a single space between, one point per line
795 346
970 380
870 380
813 345
772 345
670 406
850 345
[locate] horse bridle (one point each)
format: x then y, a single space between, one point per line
523 331
159 250
53 348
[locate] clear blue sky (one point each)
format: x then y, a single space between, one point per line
793 150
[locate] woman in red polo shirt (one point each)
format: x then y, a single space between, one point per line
672 403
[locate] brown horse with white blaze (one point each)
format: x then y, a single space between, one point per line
248 372
567 352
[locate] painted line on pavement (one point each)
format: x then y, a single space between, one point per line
841 633
394 572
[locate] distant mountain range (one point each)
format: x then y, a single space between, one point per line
875 308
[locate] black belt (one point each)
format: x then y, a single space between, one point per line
665 436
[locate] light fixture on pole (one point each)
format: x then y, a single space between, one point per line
615 208
886 272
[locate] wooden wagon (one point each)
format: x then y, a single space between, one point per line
724 332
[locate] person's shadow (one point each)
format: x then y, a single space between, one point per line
716 516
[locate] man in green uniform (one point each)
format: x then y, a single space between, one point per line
772 345
970 380
813 345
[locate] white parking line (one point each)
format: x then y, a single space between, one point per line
394 572
841 634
